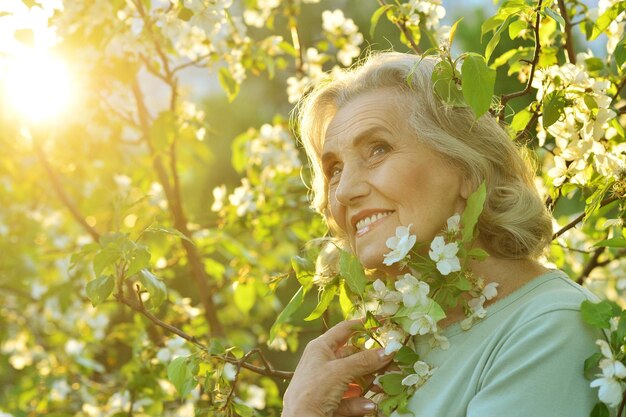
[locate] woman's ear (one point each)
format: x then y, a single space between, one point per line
466 188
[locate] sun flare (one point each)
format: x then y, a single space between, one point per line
37 85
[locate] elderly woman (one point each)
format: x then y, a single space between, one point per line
388 154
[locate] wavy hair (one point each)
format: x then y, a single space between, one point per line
514 223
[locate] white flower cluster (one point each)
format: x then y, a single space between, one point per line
611 381
476 305
257 17
272 152
578 131
344 34
212 30
428 11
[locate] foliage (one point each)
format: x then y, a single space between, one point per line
134 281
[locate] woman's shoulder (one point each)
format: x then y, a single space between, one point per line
548 293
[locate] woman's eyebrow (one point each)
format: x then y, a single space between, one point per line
356 142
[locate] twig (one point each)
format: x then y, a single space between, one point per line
236 379
295 38
569 44
505 98
65 199
578 219
191 63
621 407
405 32
593 263
619 88
267 370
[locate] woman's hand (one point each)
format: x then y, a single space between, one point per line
324 372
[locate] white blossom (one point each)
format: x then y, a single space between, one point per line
445 255
400 245
413 290
422 372
389 301
391 338
243 198
219 196
454 223
173 349
421 323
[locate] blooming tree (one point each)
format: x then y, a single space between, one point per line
149 269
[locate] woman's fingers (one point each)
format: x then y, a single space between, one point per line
364 362
355 407
339 334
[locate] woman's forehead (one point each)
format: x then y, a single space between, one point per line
372 111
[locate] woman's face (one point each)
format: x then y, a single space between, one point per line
380 177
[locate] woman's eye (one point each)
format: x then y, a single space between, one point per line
379 149
334 171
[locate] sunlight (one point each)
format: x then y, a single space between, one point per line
37 85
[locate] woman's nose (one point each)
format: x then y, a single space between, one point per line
352 186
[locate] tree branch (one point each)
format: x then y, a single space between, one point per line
569 39
505 98
593 263
180 221
578 219
65 199
266 370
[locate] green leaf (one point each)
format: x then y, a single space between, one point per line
590 102
620 53
185 14
169 231
395 402
304 270
594 201
290 308
376 17
616 242
478 82
491 46
453 31
155 287
344 300
244 296
472 211
597 314
553 107
600 410
445 84
516 27
352 271
603 22
557 17
594 64
328 293
392 383
478 254
228 83
243 410
106 259
99 289
591 365
180 373
520 120
139 259
406 356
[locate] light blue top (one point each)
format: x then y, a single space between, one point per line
525 358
